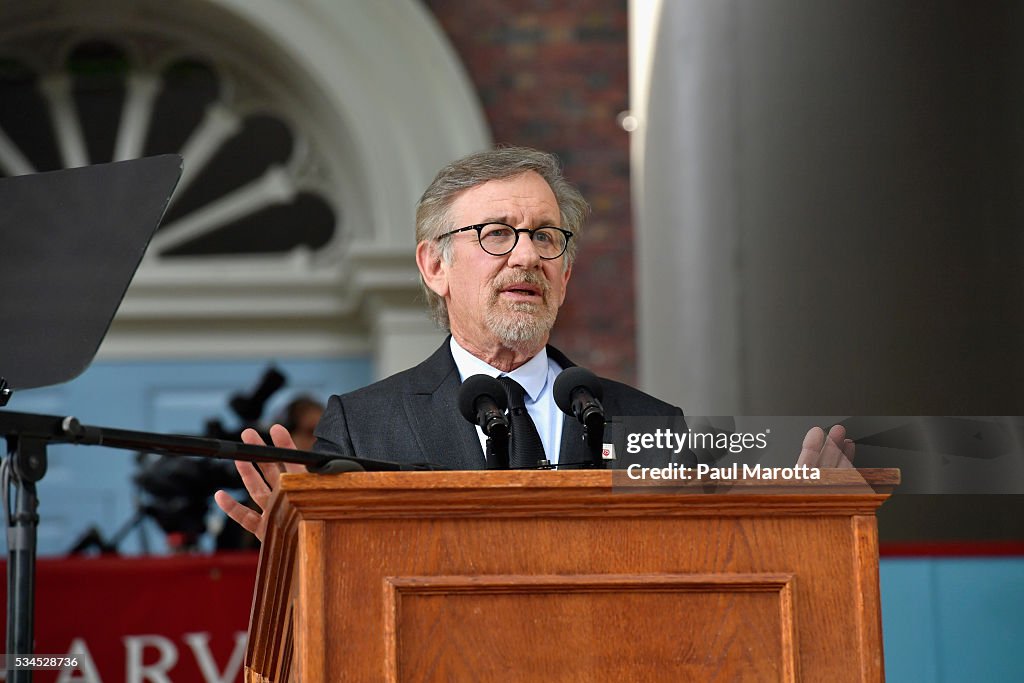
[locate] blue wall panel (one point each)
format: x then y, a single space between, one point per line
953 619
980 617
908 620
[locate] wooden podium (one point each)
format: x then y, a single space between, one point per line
569 576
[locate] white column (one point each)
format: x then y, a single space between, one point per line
685 185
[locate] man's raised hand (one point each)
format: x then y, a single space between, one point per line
260 490
832 450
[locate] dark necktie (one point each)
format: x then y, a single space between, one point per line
525 447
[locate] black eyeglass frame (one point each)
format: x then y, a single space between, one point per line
479 227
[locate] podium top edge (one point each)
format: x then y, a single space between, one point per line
879 480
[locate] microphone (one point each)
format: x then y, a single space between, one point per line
482 401
578 393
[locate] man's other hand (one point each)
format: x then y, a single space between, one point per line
260 490
833 450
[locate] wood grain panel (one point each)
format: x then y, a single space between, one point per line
591 627
810 548
269 652
311 576
868 592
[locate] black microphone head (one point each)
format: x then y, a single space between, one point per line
571 379
476 386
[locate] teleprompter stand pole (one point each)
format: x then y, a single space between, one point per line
24 465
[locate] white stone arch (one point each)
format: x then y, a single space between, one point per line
383 101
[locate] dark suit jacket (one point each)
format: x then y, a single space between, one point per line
413 417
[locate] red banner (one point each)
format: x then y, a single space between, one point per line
179 619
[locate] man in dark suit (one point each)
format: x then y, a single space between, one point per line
413 417
496 240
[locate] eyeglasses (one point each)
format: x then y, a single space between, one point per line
498 239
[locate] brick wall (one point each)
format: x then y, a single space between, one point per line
553 75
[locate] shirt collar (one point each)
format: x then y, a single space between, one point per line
531 375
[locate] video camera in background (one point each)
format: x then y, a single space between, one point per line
249 408
176 491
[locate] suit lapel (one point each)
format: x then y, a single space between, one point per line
443 435
573 449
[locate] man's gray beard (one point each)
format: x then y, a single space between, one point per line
520 324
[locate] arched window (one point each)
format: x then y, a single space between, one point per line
243 190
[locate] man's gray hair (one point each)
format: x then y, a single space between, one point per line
432 212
